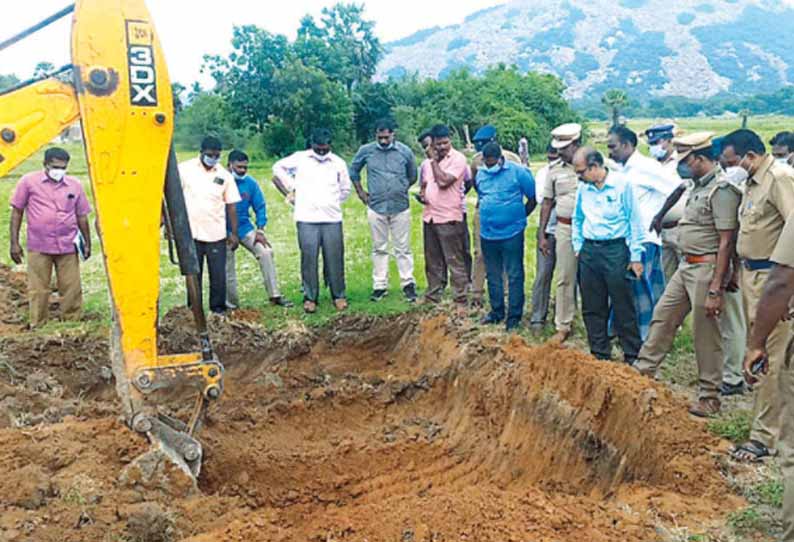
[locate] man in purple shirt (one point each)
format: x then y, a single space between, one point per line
57 218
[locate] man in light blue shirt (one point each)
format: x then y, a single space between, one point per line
607 236
506 194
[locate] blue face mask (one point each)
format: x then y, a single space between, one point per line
239 177
684 171
208 161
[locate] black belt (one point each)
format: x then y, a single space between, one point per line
757 265
670 225
596 242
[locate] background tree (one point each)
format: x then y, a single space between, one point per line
42 69
177 90
616 100
8 81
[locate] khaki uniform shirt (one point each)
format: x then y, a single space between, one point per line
561 186
784 251
712 206
768 200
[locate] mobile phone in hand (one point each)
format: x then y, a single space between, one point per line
420 199
758 366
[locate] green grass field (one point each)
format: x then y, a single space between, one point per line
281 233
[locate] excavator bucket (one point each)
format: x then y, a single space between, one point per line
127 115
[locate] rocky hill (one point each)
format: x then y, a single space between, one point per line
691 48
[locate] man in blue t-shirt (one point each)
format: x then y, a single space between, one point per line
506 194
251 237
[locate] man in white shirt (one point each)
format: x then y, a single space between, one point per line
317 182
544 265
210 195
652 185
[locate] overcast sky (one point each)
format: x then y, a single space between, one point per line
191 28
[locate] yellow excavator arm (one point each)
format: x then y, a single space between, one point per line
121 94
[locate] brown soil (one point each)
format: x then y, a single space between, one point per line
372 430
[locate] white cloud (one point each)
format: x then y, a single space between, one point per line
191 28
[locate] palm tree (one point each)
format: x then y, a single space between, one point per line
615 99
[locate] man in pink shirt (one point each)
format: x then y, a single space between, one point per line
445 232
57 229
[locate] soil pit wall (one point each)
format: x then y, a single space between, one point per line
401 430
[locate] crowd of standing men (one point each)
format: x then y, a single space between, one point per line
703 226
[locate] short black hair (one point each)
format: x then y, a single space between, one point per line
594 158
424 135
56 153
744 141
492 150
321 136
238 156
385 123
440 131
783 139
211 143
625 135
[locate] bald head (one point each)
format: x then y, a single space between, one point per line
589 165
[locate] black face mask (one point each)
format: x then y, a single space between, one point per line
684 171
384 146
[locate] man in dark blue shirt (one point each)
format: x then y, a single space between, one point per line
507 196
251 237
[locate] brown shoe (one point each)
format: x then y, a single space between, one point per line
340 304
310 307
705 408
561 336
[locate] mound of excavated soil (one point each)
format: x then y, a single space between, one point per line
392 430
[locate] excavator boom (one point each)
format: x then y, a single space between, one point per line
122 96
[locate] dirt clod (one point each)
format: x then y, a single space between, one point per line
372 429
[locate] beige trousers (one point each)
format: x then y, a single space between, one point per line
686 292
767 404
67 274
566 279
671 255
267 267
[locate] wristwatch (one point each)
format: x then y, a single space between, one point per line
715 293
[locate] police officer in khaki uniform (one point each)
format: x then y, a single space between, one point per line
778 290
768 200
560 191
482 137
706 237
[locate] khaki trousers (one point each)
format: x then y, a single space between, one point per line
768 402
67 274
786 442
734 338
478 268
687 291
267 267
671 255
566 279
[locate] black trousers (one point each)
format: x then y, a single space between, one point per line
215 254
603 276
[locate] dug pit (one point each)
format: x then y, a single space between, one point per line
406 429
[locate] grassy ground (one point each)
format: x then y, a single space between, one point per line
763 490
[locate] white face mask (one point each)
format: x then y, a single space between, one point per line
736 175
782 161
56 174
658 152
209 161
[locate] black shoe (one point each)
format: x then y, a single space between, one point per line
410 292
732 389
281 302
490 319
377 295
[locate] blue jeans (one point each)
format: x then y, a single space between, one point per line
502 257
